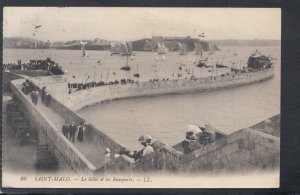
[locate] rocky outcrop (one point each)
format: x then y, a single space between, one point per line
170 42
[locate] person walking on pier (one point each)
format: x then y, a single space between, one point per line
65 129
80 132
34 97
72 131
43 94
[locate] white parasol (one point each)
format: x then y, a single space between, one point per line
193 128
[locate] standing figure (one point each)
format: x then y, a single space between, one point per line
43 94
107 156
80 132
36 97
65 129
47 99
32 96
72 131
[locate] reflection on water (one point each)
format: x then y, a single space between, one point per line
166 117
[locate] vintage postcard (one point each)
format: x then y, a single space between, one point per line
111 97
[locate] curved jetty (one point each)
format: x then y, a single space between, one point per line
83 98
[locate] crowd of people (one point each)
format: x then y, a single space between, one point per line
92 84
30 88
70 130
145 141
47 64
195 138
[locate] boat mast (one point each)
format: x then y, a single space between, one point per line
94 73
107 76
127 60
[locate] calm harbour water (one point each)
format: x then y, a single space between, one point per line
166 117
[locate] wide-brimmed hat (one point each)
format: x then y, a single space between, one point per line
193 128
145 138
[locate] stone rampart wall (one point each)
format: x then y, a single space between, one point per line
48 134
244 150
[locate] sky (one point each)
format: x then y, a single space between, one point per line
125 24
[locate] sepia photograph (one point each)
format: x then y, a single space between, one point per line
140 97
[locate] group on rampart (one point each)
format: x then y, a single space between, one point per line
45 65
195 138
70 130
30 88
204 150
88 85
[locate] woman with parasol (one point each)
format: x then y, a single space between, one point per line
190 143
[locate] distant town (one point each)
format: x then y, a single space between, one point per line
138 45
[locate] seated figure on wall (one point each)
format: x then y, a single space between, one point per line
146 141
190 143
208 135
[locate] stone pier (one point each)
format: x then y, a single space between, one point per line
242 150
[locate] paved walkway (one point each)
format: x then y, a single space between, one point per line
89 149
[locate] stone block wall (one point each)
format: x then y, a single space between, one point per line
83 98
49 135
243 150
91 132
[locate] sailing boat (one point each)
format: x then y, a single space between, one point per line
84 53
182 48
198 48
129 48
161 48
137 74
115 48
126 67
124 49
220 65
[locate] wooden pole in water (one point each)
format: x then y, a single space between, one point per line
94 73
107 76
